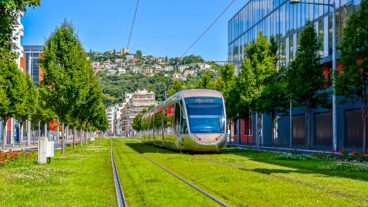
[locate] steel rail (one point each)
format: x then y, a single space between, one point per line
119 190
182 179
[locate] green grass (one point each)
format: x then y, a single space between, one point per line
144 184
83 178
260 179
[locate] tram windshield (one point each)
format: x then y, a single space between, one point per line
206 114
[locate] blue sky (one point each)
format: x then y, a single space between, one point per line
163 27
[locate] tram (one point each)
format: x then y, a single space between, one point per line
190 120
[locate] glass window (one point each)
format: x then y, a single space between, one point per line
320 35
206 115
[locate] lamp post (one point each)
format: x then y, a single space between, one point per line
334 113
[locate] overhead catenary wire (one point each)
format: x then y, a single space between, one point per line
208 28
133 23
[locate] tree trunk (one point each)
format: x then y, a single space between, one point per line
85 136
81 137
62 138
74 136
46 130
364 116
29 132
39 132
273 128
364 135
5 121
67 133
21 135
307 115
259 129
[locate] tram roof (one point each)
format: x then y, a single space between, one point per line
201 92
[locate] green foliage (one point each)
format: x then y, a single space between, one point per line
225 83
11 91
205 80
176 86
71 88
27 106
10 11
352 83
43 113
306 81
138 54
137 122
306 69
274 98
257 67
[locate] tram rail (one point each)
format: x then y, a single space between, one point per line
119 190
220 202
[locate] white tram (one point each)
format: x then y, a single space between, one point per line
190 120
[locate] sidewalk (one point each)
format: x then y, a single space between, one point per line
32 147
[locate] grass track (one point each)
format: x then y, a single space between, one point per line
83 178
263 182
144 184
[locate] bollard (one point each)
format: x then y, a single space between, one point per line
45 150
42 150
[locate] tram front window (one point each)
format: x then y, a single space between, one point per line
206 114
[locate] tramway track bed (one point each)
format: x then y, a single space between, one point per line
242 179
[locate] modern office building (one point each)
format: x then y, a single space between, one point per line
29 62
284 21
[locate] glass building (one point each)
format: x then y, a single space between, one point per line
29 63
284 21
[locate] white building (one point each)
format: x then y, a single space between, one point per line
168 68
183 67
121 70
18 34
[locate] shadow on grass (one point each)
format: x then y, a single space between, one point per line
145 148
327 168
272 171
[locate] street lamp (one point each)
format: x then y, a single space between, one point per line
334 116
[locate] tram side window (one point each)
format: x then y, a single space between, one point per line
183 128
177 118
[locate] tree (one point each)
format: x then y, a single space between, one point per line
306 82
10 91
176 86
257 67
27 104
352 83
63 59
225 83
43 114
138 54
10 11
205 80
137 122
274 98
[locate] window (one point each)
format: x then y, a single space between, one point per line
206 115
177 118
183 121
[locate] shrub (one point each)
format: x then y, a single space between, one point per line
12 158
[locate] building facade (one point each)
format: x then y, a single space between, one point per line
135 103
284 22
29 62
